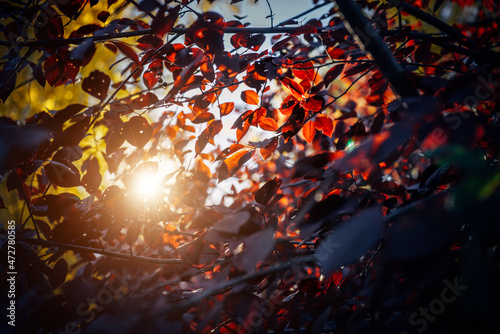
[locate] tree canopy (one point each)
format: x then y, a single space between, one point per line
171 166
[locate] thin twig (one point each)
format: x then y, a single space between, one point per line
50 243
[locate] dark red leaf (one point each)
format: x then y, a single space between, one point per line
378 122
305 29
127 50
115 139
91 181
332 74
137 131
207 32
162 24
103 16
267 191
96 84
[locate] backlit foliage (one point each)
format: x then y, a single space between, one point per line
171 169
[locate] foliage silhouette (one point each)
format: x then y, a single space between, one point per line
339 174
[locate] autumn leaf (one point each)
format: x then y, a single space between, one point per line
309 130
332 74
268 124
250 97
325 124
226 108
96 84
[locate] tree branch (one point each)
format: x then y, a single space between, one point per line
361 28
231 283
50 243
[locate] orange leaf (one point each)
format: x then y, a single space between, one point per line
325 124
203 118
268 124
269 149
250 97
240 133
226 108
309 130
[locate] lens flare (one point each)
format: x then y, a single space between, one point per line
147 184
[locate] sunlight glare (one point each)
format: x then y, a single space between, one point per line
147 185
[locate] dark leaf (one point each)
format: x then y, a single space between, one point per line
63 175
267 191
137 131
58 274
103 16
258 247
333 73
96 84
350 240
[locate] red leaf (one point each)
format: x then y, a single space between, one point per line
268 124
229 150
96 84
53 68
207 32
304 71
162 24
314 103
241 132
38 73
295 88
250 97
207 68
332 74
267 191
309 130
226 108
127 50
305 29
103 16
254 43
232 223
325 124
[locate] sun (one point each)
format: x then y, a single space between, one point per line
147 184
